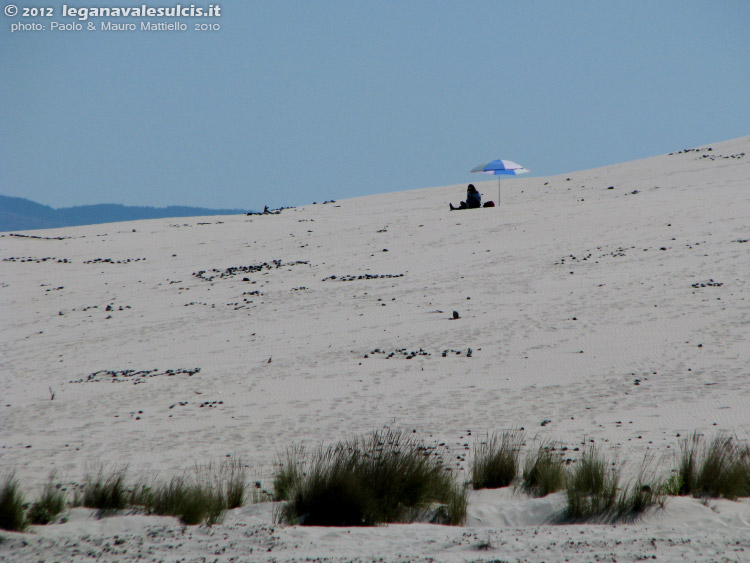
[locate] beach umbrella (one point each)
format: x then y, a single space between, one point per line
498 167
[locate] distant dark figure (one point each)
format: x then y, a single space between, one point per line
473 199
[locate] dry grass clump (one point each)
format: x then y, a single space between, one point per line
543 472
233 477
594 493
496 460
592 486
107 494
191 501
289 474
200 497
719 468
49 505
12 512
637 497
386 477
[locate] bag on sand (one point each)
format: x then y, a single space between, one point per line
489 204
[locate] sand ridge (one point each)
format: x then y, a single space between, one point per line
608 304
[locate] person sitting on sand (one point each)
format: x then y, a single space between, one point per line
473 199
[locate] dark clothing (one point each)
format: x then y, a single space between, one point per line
473 200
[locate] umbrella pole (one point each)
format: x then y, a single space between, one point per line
498 190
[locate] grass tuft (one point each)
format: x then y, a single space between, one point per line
720 468
49 505
12 512
636 498
201 497
453 512
234 479
107 494
594 494
592 486
496 460
387 477
191 501
289 474
543 472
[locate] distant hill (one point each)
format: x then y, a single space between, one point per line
19 214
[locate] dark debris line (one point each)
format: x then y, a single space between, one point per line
238 270
353 277
131 375
404 353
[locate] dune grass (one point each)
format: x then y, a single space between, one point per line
202 496
496 460
289 473
48 506
106 494
233 477
635 499
543 472
386 477
194 498
12 511
191 501
592 486
719 468
594 493
390 476
645 492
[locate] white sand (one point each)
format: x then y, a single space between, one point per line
286 366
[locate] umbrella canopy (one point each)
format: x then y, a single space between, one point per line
499 167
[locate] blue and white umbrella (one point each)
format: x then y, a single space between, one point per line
498 167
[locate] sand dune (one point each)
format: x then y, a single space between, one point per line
609 304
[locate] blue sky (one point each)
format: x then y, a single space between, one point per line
292 102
